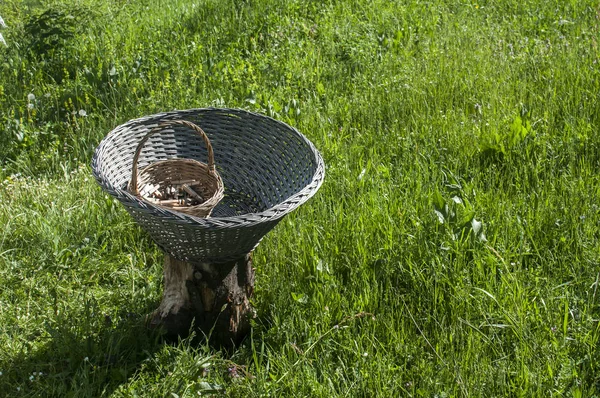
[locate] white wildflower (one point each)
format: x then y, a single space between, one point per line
362 174
82 113
30 97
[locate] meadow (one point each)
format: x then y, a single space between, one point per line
453 249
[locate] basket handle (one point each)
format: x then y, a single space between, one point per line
134 171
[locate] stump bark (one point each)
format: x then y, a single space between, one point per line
212 299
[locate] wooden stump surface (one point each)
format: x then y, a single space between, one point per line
212 299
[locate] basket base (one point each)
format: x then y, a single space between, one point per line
211 299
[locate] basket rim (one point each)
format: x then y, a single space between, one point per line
271 214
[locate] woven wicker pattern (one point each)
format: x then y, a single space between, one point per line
196 178
268 169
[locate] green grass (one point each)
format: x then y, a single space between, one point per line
453 249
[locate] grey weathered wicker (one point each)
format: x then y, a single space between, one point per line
268 169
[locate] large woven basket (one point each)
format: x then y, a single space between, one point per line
268 169
199 181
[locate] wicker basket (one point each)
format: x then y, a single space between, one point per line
268 169
184 185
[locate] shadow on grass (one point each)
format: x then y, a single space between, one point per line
81 357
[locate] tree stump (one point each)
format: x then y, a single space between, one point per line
212 299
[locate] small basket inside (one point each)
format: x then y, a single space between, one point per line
184 185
